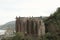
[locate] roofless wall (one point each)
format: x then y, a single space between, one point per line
30 25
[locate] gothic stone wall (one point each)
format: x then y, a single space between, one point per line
30 25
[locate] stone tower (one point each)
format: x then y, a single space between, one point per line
30 25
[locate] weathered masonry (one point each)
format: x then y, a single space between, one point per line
30 25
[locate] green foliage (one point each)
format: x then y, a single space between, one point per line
19 36
53 25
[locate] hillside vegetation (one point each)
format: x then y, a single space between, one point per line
52 24
9 25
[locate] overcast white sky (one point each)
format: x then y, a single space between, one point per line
9 9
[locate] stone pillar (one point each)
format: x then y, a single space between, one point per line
17 24
22 26
42 28
27 26
30 27
39 28
36 29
